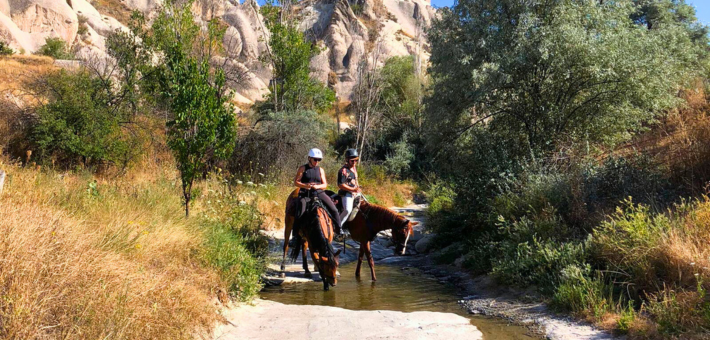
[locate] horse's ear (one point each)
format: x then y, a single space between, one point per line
337 253
414 223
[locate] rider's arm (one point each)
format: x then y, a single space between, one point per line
349 188
297 179
324 185
343 184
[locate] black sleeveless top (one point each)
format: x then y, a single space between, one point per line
311 175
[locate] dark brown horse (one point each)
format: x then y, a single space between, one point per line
372 219
316 230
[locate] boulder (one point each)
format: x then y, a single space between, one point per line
424 244
39 20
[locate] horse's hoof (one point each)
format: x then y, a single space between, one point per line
282 275
307 274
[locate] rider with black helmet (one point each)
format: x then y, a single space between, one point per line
348 184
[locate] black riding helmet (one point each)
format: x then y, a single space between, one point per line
351 154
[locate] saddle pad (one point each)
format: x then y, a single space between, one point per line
356 209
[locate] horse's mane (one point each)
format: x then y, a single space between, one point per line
378 213
317 240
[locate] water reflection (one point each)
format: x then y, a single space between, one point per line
399 289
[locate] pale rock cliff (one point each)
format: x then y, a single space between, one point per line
352 34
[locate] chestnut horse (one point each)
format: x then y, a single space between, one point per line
372 219
316 230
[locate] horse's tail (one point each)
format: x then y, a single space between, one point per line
296 249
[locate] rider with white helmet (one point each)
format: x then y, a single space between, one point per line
311 179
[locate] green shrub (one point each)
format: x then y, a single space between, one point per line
83 28
278 141
5 49
55 48
538 262
578 293
628 240
80 122
357 9
235 247
398 161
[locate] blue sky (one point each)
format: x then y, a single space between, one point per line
701 6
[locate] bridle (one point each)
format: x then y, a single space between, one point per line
406 237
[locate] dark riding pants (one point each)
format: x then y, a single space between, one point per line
328 205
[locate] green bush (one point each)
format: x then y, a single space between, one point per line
627 243
278 141
398 161
538 262
5 49
83 28
578 293
228 251
80 122
55 48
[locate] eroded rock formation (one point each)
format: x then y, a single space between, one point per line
351 32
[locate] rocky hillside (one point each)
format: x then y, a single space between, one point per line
350 32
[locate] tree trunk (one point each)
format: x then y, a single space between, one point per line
187 194
2 180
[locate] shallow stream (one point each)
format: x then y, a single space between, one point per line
398 288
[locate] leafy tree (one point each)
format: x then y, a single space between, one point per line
543 72
81 121
202 123
133 60
292 87
55 48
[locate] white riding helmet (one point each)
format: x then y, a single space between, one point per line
315 153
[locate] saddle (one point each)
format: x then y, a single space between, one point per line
339 204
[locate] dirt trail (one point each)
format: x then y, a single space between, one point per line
270 320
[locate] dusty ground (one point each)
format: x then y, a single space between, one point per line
273 320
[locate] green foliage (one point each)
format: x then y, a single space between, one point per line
133 59
627 241
278 141
83 28
531 253
391 98
55 48
203 123
81 122
551 72
293 88
399 159
5 49
357 9
236 248
402 92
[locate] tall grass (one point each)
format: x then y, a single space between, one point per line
87 257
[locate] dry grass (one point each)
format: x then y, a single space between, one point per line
114 262
114 8
14 70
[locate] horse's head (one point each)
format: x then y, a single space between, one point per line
330 268
401 233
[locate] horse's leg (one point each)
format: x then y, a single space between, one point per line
316 259
359 260
370 260
307 273
288 225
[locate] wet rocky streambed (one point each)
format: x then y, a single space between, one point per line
398 288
